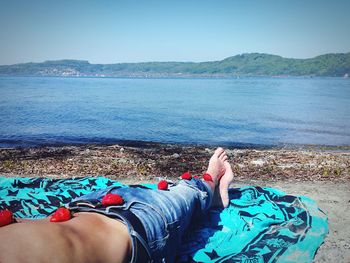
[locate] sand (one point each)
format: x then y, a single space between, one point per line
334 199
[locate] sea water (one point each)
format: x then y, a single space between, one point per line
258 111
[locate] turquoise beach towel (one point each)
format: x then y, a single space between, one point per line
260 224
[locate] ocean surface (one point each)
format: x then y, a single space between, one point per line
246 111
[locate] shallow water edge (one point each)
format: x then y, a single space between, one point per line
8 144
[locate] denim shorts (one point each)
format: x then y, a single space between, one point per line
163 214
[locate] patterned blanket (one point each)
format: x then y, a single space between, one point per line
260 224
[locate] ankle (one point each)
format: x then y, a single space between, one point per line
208 177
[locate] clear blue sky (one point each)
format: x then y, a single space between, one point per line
135 31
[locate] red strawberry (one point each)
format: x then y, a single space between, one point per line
6 217
112 199
207 177
61 214
186 176
163 185
196 177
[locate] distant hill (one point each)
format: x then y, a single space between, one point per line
252 64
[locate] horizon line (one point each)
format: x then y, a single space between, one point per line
170 61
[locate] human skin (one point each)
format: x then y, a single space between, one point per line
88 237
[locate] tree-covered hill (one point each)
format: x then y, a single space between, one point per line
253 64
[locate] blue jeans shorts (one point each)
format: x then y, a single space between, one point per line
156 219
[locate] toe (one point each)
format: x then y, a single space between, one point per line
223 156
218 151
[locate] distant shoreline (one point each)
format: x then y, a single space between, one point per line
249 64
211 77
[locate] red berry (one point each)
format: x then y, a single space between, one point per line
207 177
196 177
6 217
112 199
163 185
61 214
186 176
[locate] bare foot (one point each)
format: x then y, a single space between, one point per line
221 198
225 182
216 167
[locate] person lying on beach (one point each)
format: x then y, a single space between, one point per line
127 224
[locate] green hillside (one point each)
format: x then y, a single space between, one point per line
253 64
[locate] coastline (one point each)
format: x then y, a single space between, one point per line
150 160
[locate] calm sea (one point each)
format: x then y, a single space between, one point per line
259 111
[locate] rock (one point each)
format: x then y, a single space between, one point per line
258 162
238 153
122 160
121 150
175 155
